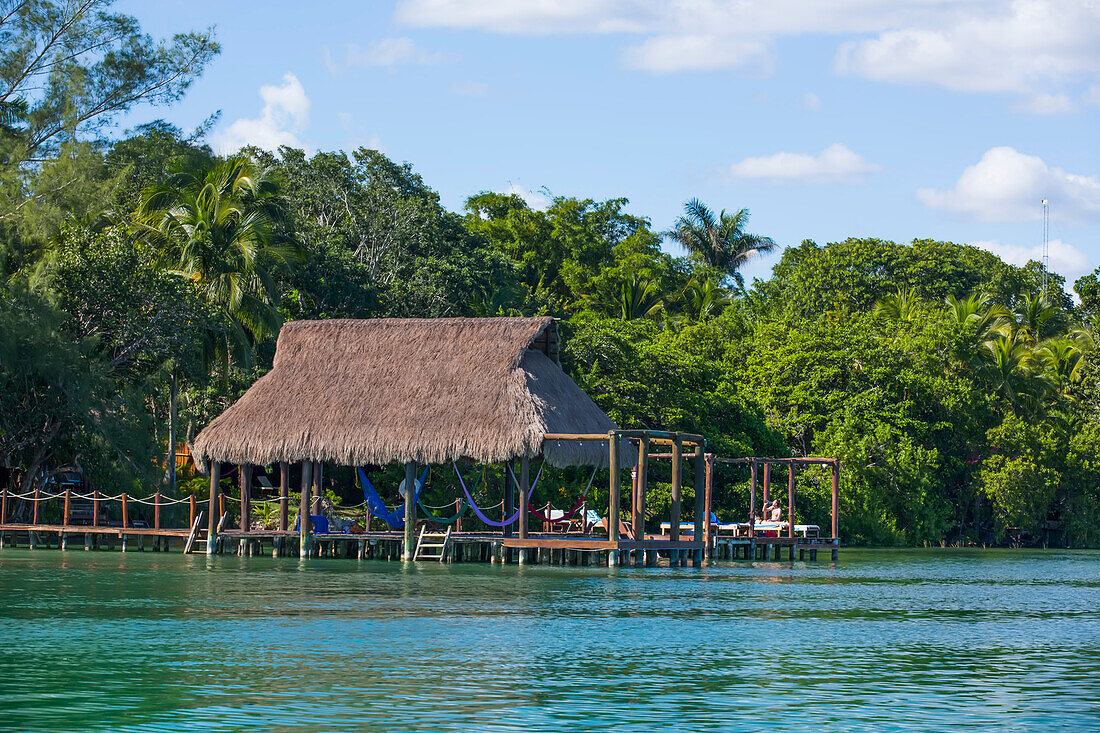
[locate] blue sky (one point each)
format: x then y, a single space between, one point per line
949 119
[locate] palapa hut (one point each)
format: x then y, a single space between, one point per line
355 392
414 391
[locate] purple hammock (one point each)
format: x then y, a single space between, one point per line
480 514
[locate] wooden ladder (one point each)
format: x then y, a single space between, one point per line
193 538
432 545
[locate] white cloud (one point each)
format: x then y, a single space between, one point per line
835 164
1065 259
284 115
1045 104
1006 185
1023 47
385 53
469 88
985 47
810 101
529 17
667 54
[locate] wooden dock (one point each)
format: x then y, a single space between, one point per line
546 549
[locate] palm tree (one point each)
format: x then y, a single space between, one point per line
721 241
1010 374
1035 317
704 299
976 314
222 225
1061 360
638 297
902 306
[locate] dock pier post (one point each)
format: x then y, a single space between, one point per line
613 497
212 510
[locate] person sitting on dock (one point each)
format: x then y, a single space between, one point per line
774 514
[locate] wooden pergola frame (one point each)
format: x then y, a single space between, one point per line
792 466
678 549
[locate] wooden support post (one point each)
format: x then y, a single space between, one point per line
65 511
125 522
767 482
221 505
458 510
752 501
318 486
701 519
639 496
95 508
34 512
410 511
790 500
191 506
212 510
508 506
708 505
836 499
246 496
284 495
305 521
524 487
613 496
3 505
156 510
674 511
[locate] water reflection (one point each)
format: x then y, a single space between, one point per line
924 640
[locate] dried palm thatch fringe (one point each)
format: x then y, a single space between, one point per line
354 392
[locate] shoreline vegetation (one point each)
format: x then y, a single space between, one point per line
144 279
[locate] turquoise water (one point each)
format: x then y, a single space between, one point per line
929 640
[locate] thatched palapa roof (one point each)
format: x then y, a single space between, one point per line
355 392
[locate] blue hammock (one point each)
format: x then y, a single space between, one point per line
378 508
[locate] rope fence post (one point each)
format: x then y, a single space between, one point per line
34 512
125 518
191 502
63 537
156 510
95 507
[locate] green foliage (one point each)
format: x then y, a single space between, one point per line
962 398
70 68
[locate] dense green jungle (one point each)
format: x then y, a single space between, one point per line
144 280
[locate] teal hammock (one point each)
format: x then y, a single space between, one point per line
441 520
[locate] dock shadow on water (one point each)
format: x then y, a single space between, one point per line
881 640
